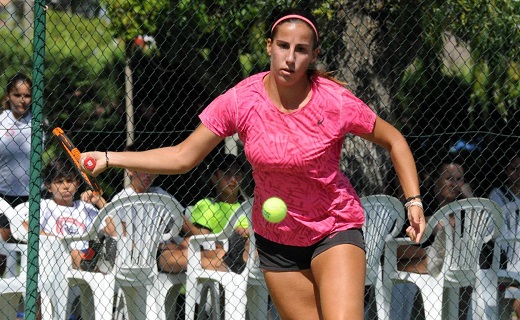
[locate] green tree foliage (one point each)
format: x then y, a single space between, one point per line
490 31
131 18
81 93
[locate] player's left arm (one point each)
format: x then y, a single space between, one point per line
387 136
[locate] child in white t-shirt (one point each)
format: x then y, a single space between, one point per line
62 214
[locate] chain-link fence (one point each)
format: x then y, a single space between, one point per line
134 75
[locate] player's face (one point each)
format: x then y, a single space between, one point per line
20 99
292 52
63 190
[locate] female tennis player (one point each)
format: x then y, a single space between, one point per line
293 120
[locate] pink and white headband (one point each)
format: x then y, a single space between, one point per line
295 16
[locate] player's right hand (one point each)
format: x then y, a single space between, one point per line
100 160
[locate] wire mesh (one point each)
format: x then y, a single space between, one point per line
134 75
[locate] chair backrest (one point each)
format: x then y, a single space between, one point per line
11 250
16 217
511 232
468 225
145 218
384 218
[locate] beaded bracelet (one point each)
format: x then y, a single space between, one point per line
106 157
409 204
413 197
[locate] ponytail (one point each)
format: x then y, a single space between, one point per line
315 73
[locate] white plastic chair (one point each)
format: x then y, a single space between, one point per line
234 285
384 219
135 270
510 242
12 285
476 221
16 286
11 250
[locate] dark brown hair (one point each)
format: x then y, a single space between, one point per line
59 168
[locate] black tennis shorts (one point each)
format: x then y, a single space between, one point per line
279 257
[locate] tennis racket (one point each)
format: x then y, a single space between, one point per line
74 156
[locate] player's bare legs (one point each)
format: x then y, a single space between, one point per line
339 273
294 294
334 287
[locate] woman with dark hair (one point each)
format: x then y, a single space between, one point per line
293 121
15 148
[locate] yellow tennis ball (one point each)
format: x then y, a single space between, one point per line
274 210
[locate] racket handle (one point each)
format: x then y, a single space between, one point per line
89 163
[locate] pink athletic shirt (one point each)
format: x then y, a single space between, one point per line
296 156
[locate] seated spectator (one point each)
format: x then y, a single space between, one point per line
210 215
141 182
15 147
61 214
448 185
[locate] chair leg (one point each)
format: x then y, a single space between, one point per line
485 296
166 300
120 310
103 301
60 297
153 308
135 300
191 299
235 305
170 302
432 301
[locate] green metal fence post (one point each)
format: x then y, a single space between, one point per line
31 307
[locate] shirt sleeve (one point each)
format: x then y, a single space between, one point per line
357 117
220 116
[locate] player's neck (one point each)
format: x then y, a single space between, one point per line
288 98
